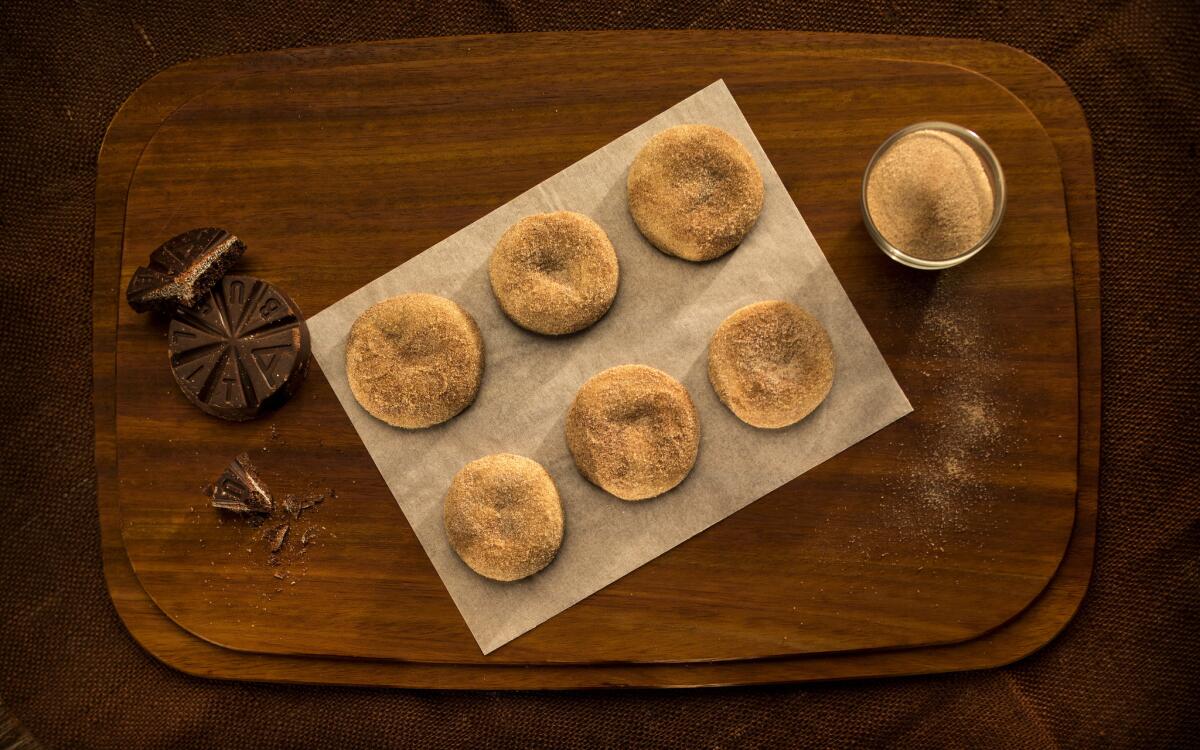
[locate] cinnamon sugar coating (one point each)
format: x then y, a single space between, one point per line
554 273
503 516
771 363
694 191
415 360
633 431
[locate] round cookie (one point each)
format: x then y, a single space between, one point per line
694 191
771 363
415 360
503 516
633 431
554 273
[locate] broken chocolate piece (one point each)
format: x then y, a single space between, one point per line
276 536
241 490
183 269
241 350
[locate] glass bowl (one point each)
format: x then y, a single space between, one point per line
991 165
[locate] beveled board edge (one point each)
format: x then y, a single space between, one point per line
1031 81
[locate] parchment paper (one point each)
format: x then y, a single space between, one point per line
665 311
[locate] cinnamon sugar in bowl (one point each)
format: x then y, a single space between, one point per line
933 195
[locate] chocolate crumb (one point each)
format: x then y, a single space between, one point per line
296 506
309 536
276 536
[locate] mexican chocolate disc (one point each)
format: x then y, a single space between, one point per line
241 350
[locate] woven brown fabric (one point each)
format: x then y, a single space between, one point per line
1124 673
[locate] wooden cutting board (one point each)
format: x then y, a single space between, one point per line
336 165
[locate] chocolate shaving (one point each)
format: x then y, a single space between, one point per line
241 490
276 536
310 535
296 506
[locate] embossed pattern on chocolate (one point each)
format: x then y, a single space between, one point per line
243 349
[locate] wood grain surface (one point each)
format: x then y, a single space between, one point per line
852 579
